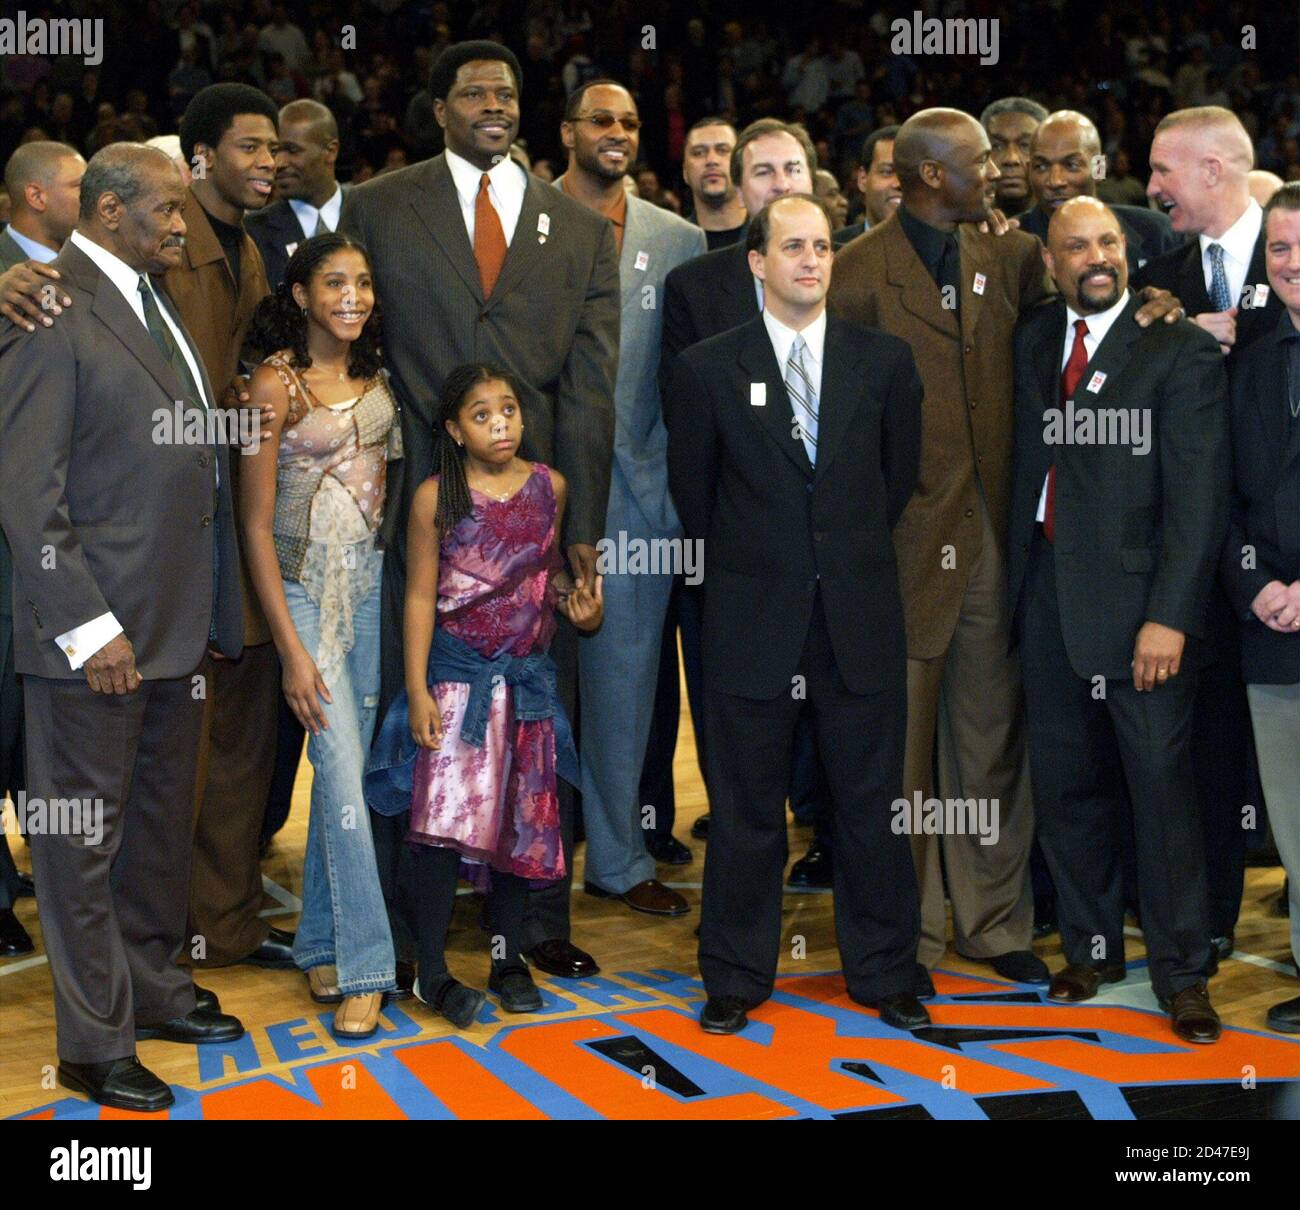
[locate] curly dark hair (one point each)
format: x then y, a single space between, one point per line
280 323
454 500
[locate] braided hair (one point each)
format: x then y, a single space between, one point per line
280 323
454 501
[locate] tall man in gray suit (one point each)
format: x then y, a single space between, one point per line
125 572
619 664
44 183
474 260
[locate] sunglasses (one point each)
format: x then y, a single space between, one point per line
605 120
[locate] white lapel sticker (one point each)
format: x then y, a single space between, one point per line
1096 382
1261 296
642 260
978 285
291 248
758 394
543 224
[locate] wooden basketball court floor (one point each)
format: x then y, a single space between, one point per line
626 1045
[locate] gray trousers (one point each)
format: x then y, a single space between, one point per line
618 671
113 912
1275 714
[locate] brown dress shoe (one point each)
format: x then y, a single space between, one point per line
323 984
1192 1016
358 1016
650 896
1078 982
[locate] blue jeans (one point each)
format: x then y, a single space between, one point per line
344 921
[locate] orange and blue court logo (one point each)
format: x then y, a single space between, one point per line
629 1046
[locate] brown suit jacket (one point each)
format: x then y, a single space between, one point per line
879 281
217 311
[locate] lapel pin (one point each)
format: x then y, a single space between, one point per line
1096 382
642 260
978 285
758 394
543 224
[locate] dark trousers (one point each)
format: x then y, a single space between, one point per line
1225 767
751 744
289 739
685 608
11 753
1083 752
236 757
113 913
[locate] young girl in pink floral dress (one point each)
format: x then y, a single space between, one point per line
481 700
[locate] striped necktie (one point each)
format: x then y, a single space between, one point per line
803 398
1220 295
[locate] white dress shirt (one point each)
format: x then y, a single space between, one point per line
37 252
814 337
1238 243
309 214
81 642
506 185
1098 325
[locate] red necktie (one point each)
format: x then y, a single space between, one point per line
1070 378
489 239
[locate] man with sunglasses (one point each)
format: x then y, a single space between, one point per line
618 665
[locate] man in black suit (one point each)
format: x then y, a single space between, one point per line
1200 168
704 297
1118 514
308 198
1065 161
1261 558
125 573
794 451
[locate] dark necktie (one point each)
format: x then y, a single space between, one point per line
1070 378
162 337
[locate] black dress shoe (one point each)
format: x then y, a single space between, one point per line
724 1015
924 986
206 1000
121 1084
813 868
1076 982
25 887
668 850
1192 1016
196 1029
1285 1017
1021 966
514 987
700 828
650 897
275 953
562 959
14 939
902 1010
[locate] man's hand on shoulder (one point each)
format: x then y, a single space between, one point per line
29 296
1158 304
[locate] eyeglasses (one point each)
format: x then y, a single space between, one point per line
606 120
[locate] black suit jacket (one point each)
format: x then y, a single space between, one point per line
1148 234
275 228
845 234
127 515
774 529
1138 535
1265 515
1182 272
704 297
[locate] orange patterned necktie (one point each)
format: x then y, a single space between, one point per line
489 239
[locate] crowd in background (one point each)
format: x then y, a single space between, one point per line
830 68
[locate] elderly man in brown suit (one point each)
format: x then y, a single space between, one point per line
934 275
218 283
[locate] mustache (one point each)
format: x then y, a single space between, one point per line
174 241
1108 270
